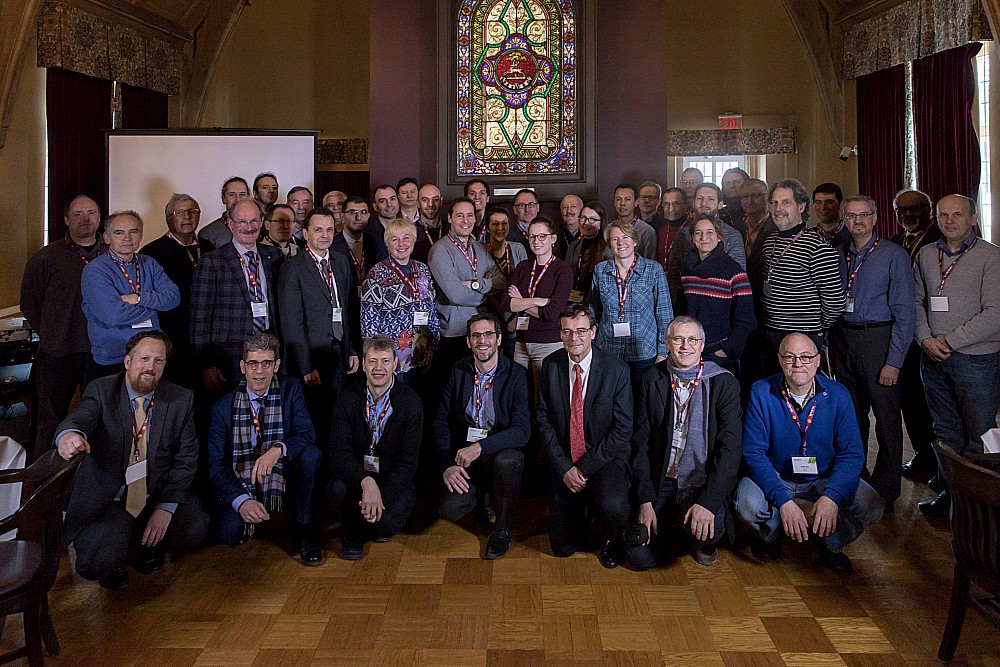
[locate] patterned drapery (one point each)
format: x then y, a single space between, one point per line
752 141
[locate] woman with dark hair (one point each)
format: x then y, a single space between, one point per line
587 251
506 254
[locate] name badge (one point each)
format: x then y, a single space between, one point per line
804 465
767 289
476 434
522 323
145 324
135 471
622 329
678 438
371 464
338 314
259 308
576 296
939 304
421 318
850 306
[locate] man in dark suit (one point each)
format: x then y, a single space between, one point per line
353 243
481 427
261 441
686 449
584 421
374 449
314 291
232 296
141 453
913 212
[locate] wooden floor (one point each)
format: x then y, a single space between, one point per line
429 599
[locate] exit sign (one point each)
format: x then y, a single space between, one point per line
731 121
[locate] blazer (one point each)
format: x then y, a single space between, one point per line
297 434
220 307
607 412
306 309
371 254
398 448
104 416
509 394
654 430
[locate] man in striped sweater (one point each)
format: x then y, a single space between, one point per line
802 289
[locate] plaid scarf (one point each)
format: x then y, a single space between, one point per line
269 492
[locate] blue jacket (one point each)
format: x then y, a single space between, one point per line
109 319
771 439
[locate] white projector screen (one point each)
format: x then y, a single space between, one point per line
146 167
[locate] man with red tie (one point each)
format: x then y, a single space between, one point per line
584 420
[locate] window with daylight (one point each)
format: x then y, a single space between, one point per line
516 87
715 167
983 90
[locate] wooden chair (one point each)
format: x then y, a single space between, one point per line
29 564
974 485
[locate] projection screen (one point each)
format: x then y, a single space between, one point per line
145 167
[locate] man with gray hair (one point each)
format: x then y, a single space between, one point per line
649 205
691 178
178 252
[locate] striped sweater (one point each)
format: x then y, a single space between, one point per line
802 290
717 294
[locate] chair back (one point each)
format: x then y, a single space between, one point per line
975 513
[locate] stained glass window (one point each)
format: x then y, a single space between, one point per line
517 87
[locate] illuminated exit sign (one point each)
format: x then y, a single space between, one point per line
731 121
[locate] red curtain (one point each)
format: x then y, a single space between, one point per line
881 109
143 109
948 159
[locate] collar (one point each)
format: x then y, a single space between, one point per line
133 394
255 397
350 241
118 258
243 251
871 242
489 373
383 397
318 257
585 363
789 233
942 243
181 243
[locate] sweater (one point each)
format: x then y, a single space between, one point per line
717 294
456 302
555 285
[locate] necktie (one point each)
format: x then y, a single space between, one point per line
324 267
577 444
135 494
257 292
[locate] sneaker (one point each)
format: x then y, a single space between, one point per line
706 555
498 544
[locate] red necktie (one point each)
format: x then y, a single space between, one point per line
577 445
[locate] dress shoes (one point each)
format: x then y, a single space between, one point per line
921 465
242 542
309 551
610 555
706 555
934 484
836 561
498 544
766 552
352 548
383 539
148 561
938 507
115 581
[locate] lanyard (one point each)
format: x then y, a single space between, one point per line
187 250
623 287
257 292
533 283
80 251
795 417
861 260
138 433
480 397
358 266
775 262
133 285
376 427
328 274
473 260
406 281
427 233
682 407
505 262
945 273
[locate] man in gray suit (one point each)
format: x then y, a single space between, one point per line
134 485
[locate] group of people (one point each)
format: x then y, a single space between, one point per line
659 370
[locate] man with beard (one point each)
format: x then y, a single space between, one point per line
732 212
827 198
526 208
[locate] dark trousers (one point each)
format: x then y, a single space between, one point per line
55 380
398 501
499 472
301 475
916 414
102 546
858 356
321 399
963 393
605 498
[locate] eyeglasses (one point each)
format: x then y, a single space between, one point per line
267 364
484 335
189 213
791 359
254 221
361 211
648 197
538 237
694 182
915 209
574 333
588 219
530 204
855 216
753 195
680 340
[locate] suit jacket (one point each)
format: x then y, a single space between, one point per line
376 230
371 257
306 311
654 430
607 412
104 416
297 434
512 425
220 307
398 449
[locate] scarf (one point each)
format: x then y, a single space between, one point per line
269 492
691 469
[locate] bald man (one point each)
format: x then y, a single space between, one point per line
569 209
801 440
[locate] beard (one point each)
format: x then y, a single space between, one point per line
144 383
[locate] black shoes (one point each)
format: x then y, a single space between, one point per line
115 581
149 561
934 484
766 552
838 562
242 542
921 465
352 548
498 544
309 551
706 555
938 507
610 555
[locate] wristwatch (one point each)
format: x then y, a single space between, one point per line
138 298
476 285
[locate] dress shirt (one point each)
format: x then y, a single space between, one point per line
647 310
320 258
487 416
257 401
261 274
585 374
382 403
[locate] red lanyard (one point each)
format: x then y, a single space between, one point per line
945 273
473 260
795 417
134 285
861 260
683 406
358 266
187 248
406 281
376 427
427 233
507 260
138 433
480 397
250 276
782 255
532 282
328 274
623 287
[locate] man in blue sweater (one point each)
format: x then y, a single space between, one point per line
801 440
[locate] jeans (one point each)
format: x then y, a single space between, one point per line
856 513
962 393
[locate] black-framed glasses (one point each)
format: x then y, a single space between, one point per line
591 220
791 359
360 211
266 364
573 333
482 335
538 237
530 204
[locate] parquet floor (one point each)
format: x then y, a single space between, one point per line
428 599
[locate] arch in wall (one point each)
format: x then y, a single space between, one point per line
17 21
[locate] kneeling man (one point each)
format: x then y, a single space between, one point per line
686 449
260 437
801 440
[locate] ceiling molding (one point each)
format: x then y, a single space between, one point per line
17 22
